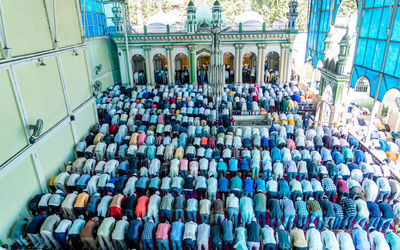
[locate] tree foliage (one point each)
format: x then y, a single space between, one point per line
271 10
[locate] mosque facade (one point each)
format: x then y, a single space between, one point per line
166 51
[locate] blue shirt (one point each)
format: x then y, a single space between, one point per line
244 165
272 143
177 230
337 157
374 211
223 184
360 239
248 185
276 154
233 165
326 154
260 185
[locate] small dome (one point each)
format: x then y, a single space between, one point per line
251 21
190 4
216 3
158 23
204 14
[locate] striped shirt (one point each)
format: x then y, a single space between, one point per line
301 208
348 205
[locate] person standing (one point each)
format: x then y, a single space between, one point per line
134 232
297 239
227 233
88 236
189 235
360 238
162 235
216 240
75 230
283 239
313 238
47 231
147 235
203 236
104 233
253 234
61 233
377 240
176 234
118 235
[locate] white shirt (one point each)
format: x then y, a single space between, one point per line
377 241
63 226
232 201
313 238
268 235
329 240
120 229
190 230
203 233
69 200
345 241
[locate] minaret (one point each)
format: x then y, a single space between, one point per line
328 42
191 23
344 53
117 18
217 14
292 15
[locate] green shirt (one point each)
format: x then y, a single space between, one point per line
260 202
106 226
393 240
167 202
236 183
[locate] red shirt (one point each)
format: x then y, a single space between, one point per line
162 231
342 186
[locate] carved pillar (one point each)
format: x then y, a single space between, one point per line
238 63
260 63
192 63
170 68
149 65
284 63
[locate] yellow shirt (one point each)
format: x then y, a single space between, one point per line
297 238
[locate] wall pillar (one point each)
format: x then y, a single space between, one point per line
283 66
260 63
238 63
192 63
170 65
149 65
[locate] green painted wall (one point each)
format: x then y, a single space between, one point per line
61 144
17 187
42 96
83 121
36 83
104 52
67 19
12 132
78 85
27 26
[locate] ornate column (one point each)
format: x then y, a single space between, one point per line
238 63
149 65
283 66
170 65
260 63
192 63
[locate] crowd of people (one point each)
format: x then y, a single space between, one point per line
164 168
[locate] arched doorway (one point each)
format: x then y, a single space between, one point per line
391 109
203 60
229 62
181 68
160 69
249 67
139 69
271 66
